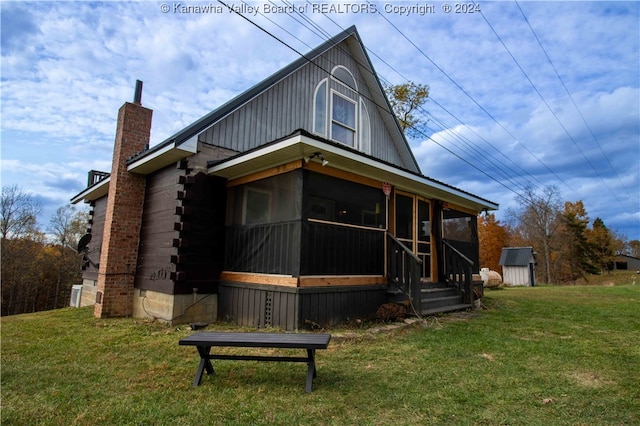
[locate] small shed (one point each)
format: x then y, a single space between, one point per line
518 266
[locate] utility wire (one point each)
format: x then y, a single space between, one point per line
520 196
571 97
546 103
455 83
310 61
481 155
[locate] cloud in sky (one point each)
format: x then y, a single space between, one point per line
496 100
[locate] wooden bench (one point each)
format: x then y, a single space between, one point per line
204 340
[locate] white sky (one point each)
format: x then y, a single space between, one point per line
504 82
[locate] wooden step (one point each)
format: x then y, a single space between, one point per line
445 309
440 302
434 292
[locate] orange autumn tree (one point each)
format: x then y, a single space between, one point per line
492 237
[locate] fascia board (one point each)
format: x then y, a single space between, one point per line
371 168
164 156
404 175
93 192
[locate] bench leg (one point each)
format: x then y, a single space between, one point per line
311 369
205 363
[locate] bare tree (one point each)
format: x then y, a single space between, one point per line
67 227
18 213
538 219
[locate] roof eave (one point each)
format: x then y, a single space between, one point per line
155 159
299 145
93 192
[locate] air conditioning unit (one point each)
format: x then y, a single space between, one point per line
76 296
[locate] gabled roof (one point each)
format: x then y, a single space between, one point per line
165 152
517 256
408 177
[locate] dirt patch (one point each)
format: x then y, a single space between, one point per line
590 379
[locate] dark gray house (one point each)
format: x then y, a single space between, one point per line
518 266
299 200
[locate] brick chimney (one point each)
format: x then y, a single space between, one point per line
123 219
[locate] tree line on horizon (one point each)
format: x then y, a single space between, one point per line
568 245
38 266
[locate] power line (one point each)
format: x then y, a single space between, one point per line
571 97
387 109
546 104
455 83
481 156
310 61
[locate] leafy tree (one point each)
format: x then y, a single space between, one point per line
405 100
634 246
37 272
604 244
576 253
492 237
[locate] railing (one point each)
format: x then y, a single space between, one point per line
458 271
404 269
95 177
332 248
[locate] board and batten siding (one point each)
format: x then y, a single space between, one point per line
257 305
293 308
516 275
287 106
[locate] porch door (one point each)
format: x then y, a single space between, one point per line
413 227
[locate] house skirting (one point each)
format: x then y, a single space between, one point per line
293 308
175 308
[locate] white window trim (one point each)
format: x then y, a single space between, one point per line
364 146
355 83
356 119
326 107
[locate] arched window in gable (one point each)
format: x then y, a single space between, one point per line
320 109
339 111
344 76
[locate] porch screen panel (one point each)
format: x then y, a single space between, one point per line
404 217
461 230
335 200
330 245
338 250
263 226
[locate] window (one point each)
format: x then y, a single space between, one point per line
271 200
257 206
344 76
339 112
320 105
365 129
336 200
343 119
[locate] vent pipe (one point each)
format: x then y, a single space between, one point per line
137 97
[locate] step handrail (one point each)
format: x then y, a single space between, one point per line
458 252
458 269
404 275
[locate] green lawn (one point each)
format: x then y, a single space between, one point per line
544 355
